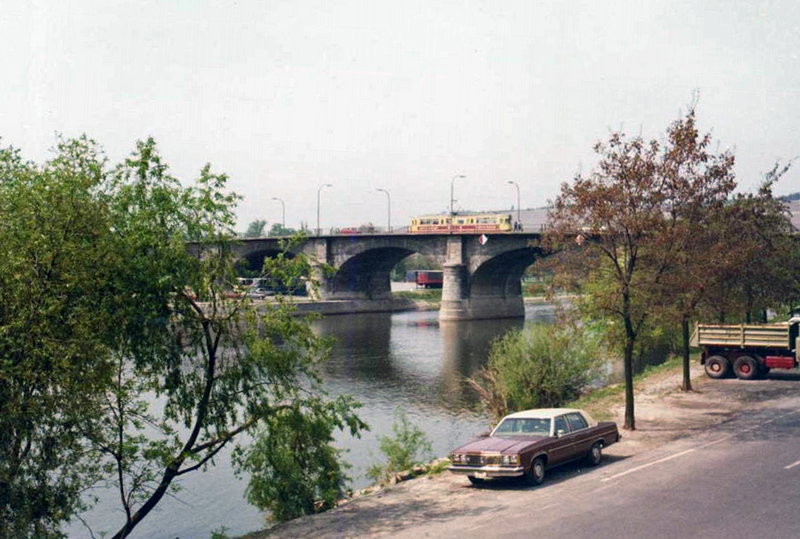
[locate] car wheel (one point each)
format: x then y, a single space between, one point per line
717 367
475 480
535 474
745 368
595 454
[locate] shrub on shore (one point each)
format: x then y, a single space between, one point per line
538 367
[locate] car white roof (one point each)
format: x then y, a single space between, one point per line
543 413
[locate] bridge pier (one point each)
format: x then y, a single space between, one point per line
466 298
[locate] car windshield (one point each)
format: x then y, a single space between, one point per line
530 426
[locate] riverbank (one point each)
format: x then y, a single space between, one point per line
663 414
390 305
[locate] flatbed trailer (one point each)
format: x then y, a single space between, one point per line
747 350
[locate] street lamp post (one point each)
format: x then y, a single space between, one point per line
283 212
389 210
519 221
451 191
318 192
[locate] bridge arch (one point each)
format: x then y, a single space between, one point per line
367 274
501 275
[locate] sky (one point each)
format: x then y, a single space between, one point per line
287 96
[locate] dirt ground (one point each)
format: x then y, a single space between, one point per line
663 413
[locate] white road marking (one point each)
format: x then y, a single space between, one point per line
643 466
709 444
792 465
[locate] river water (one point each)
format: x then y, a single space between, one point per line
389 362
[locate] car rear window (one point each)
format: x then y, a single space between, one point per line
561 424
576 421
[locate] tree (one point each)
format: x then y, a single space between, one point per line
127 309
758 267
58 312
256 229
700 183
293 468
222 367
278 229
622 226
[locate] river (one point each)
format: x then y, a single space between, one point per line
389 362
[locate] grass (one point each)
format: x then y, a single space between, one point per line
438 466
424 295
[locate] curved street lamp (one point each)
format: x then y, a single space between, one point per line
451 191
519 219
283 212
389 210
318 192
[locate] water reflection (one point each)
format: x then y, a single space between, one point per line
411 357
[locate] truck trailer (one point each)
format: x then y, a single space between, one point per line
747 351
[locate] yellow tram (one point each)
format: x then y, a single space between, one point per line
477 223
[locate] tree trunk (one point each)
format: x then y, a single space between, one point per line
687 379
630 421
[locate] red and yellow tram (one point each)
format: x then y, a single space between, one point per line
466 223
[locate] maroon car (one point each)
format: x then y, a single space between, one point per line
527 443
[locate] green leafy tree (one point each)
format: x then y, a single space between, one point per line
123 361
256 229
539 367
294 469
278 229
58 311
221 367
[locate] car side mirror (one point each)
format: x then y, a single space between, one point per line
484 434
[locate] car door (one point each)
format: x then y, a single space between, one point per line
562 444
581 433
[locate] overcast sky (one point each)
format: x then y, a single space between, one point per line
285 96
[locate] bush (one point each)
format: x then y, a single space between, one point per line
539 367
401 451
294 469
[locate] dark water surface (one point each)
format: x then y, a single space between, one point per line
407 361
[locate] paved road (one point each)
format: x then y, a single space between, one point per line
739 481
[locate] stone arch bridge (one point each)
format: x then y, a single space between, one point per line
482 274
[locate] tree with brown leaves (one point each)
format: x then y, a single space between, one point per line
623 228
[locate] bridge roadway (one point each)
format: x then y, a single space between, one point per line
482 272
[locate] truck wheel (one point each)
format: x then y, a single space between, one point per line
595 454
535 474
718 367
745 368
